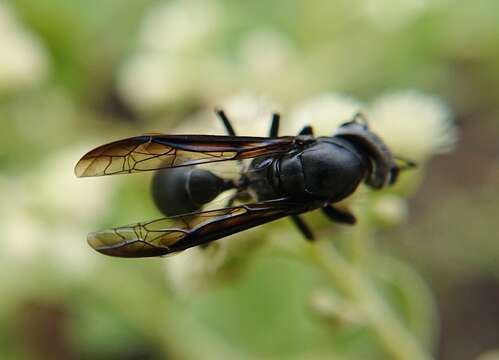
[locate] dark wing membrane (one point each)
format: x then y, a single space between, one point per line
177 233
153 152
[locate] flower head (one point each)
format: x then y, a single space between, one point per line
324 112
394 14
149 81
277 48
24 61
179 26
412 124
193 270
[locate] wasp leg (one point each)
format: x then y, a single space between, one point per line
303 227
274 127
228 127
226 122
239 195
340 216
307 130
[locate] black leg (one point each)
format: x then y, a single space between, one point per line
307 130
274 128
231 200
340 216
303 227
238 195
225 120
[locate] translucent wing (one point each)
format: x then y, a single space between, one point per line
177 233
153 152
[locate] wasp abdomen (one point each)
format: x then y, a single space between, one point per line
185 189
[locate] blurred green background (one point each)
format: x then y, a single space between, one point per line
76 74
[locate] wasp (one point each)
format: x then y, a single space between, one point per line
285 176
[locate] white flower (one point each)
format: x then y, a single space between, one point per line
180 25
21 235
24 61
172 63
412 124
58 190
193 269
69 250
48 214
265 52
269 64
393 14
324 113
149 81
389 209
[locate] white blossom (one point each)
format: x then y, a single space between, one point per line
171 64
412 124
21 235
394 14
324 113
389 209
149 81
267 63
23 61
69 251
179 25
192 270
48 214
265 52
58 189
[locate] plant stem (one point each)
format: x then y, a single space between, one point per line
357 287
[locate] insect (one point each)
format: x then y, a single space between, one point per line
286 176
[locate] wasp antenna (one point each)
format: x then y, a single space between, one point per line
360 117
406 163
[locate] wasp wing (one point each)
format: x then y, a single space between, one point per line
177 233
153 152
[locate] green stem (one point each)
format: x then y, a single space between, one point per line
353 282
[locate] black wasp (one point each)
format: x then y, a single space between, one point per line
287 176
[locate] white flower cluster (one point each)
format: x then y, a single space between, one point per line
179 59
414 125
394 14
49 215
24 60
324 112
162 71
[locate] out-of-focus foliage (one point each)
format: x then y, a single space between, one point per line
75 74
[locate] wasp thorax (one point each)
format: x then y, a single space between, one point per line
332 171
185 189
